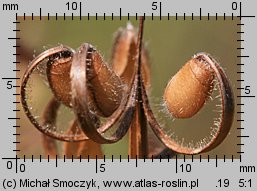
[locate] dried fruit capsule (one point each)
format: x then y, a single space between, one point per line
58 74
189 89
124 50
105 87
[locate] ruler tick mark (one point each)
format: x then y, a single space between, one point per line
240 56
244 96
243 136
120 14
160 10
10 78
80 10
14 38
200 13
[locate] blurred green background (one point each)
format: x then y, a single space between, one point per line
171 44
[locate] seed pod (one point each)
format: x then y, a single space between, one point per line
189 89
123 60
105 88
58 74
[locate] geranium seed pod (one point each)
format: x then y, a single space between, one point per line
123 55
190 88
58 74
105 87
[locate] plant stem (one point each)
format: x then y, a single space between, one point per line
138 131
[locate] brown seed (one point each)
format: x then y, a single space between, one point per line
189 89
58 74
105 87
123 60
